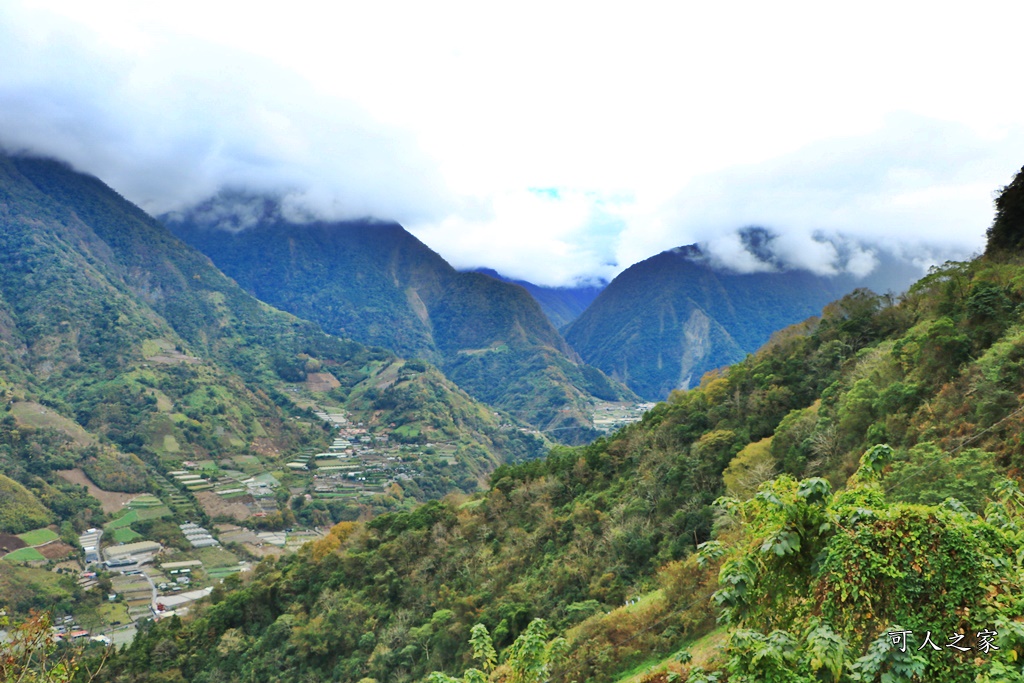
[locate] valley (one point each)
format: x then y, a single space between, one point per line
374 282
181 465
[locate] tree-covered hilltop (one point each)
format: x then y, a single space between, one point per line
376 283
854 478
1007 231
124 352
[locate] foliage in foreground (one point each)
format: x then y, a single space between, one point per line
819 582
32 653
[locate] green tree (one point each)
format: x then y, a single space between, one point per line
1007 231
529 659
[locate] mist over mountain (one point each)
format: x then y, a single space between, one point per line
664 322
376 283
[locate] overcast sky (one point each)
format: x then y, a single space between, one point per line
549 141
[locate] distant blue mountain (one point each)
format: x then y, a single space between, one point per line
561 305
664 322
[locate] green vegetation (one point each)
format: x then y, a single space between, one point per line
124 521
38 536
561 305
160 358
113 613
873 447
664 322
20 511
24 589
33 654
113 471
125 535
876 447
379 285
1007 231
25 555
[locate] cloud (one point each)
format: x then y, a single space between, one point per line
169 123
915 184
552 149
549 238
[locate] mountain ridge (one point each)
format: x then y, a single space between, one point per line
377 283
110 322
665 321
561 305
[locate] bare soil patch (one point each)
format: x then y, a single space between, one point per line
215 506
265 550
111 501
265 447
172 358
321 382
10 543
73 565
56 550
230 533
163 351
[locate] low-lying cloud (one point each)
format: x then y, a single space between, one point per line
918 188
170 120
176 122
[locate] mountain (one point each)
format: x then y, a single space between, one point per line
814 512
664 322
561 305
124 353
377 284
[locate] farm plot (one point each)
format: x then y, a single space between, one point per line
38 536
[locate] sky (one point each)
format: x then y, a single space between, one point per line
554 142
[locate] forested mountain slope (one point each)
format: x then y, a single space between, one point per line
864 466
376 283
662 323
124 351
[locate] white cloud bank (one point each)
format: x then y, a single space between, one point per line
549 141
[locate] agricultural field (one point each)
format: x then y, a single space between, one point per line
24 555
125 535
124 521
57 550
10 542
38 416
114 613
38 536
